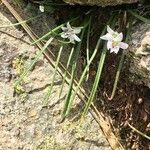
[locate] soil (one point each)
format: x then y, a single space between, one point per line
131 104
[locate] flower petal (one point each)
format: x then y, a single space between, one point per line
70 33
76 30
123 45
69 26
119 37
115 49
63 35
76 38
109 30
41 8
109 45
64 29
107 37
71 38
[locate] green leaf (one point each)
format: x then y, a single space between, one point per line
88 64
53 31
139 132
48 34
87 47
65 73
53 78
68 101
145 20
98 75
19 23
120 64
96 82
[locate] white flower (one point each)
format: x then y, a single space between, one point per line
70 33
41 8
114 40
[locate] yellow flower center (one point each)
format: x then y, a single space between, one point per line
115 35
115 43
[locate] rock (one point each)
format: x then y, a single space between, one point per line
32 113
100 2
140 55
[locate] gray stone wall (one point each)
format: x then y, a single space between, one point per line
100 2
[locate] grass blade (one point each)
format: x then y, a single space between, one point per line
19 23
34 61
97 78
88 64
139 132
52 31
48 34
120 65
68 101
145 20
65 73
87 47
53 78
67 104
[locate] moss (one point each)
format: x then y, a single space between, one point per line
100 2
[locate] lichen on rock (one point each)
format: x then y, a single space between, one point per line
100 2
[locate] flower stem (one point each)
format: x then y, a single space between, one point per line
120 65
98 75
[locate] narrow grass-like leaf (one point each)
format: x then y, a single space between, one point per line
120 65
19 23
68 102
65 73
52 31
53 78
87 47
48 34
139 132
88 64
97 78
34 61
145 20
